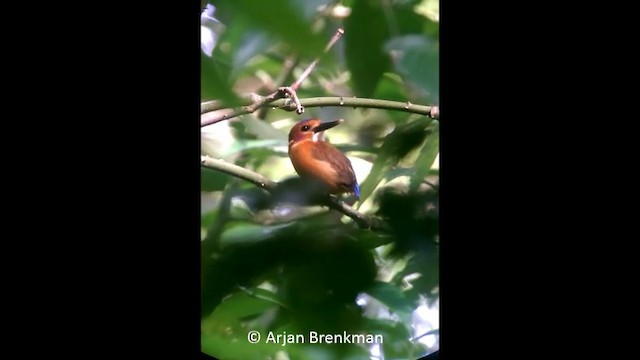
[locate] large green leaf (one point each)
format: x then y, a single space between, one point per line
416 58
397 344
263 130
366 31
425 262
404 138
282 20
214 81
244 304
211 180
426 158
393 298
245 233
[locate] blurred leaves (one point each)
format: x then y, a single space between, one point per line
404 138
242 145
427 157
212 180
410 54
215 82
279 20
393 298
247 233
365 34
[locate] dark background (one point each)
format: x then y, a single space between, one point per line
107 269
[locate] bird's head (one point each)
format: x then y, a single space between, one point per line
304 130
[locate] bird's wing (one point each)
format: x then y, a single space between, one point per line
327 153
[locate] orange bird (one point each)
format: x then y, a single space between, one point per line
318 161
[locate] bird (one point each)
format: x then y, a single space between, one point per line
318 161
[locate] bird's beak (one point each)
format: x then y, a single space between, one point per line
327 125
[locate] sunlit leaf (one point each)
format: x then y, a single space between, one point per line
430 9
242 145
240 210
263 130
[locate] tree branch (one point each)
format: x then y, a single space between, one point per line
363 221
431 111
239 172
258 101
289 105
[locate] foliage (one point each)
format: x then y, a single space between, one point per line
282 267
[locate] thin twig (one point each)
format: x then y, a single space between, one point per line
363 221
313 64
289 65
260 101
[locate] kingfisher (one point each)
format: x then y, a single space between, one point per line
318 161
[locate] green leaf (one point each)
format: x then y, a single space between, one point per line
397 344
282 20
372 239
236 347
240 210
426 158
425 262
211 180
403 171
242 304
365 33
404 138
263 130
393 298
416 58
244 233
390 87
207 219
430 9
214 81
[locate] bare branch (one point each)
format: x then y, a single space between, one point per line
363 221
311 66
239 172
431 111
260 101
289 105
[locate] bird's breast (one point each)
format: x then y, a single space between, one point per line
321 161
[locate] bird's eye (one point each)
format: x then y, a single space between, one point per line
306 128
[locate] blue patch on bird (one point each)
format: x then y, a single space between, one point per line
356 190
